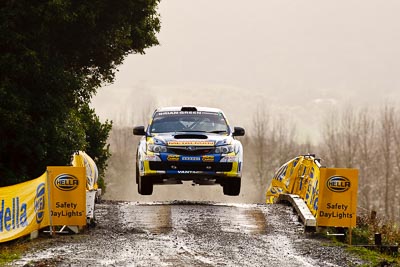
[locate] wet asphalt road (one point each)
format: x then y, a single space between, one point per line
190 234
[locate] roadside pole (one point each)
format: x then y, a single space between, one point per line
49 202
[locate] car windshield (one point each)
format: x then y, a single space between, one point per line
188 121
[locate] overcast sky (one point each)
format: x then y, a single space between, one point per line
277 52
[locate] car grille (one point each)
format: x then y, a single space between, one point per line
191 166
191 151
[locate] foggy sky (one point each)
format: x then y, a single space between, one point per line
290 56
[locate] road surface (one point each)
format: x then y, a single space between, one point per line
189 234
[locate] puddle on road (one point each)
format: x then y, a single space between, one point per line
152 218
250 221
162 218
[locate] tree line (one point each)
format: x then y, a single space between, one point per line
54 56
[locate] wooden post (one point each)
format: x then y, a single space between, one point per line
350 234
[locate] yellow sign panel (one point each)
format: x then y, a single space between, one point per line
23 208
190 143
337 198
67 195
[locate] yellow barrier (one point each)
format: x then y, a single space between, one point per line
330 193
23 208
55 198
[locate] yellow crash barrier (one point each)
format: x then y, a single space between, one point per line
330 193
56 198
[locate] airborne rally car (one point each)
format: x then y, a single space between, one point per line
189 144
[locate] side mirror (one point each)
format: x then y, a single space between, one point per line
238 131
139 130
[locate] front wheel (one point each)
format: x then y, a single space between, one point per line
145 185
137 174
232 187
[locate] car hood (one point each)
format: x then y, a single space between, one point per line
190 139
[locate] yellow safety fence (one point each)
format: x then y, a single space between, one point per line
330 193
56 198
23 208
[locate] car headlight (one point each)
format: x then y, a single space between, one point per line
224 149
156 148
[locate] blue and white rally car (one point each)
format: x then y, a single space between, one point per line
189 144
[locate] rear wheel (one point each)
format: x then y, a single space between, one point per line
232 187
145 185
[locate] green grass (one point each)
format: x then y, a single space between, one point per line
363 240
375 258
7 255
13 250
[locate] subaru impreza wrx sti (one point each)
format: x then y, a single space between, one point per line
189 144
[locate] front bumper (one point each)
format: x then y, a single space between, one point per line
179 166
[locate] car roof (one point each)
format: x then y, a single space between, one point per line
193 108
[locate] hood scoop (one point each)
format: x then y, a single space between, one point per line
190 136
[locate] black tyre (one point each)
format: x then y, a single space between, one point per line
137 174
232 187
145 185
